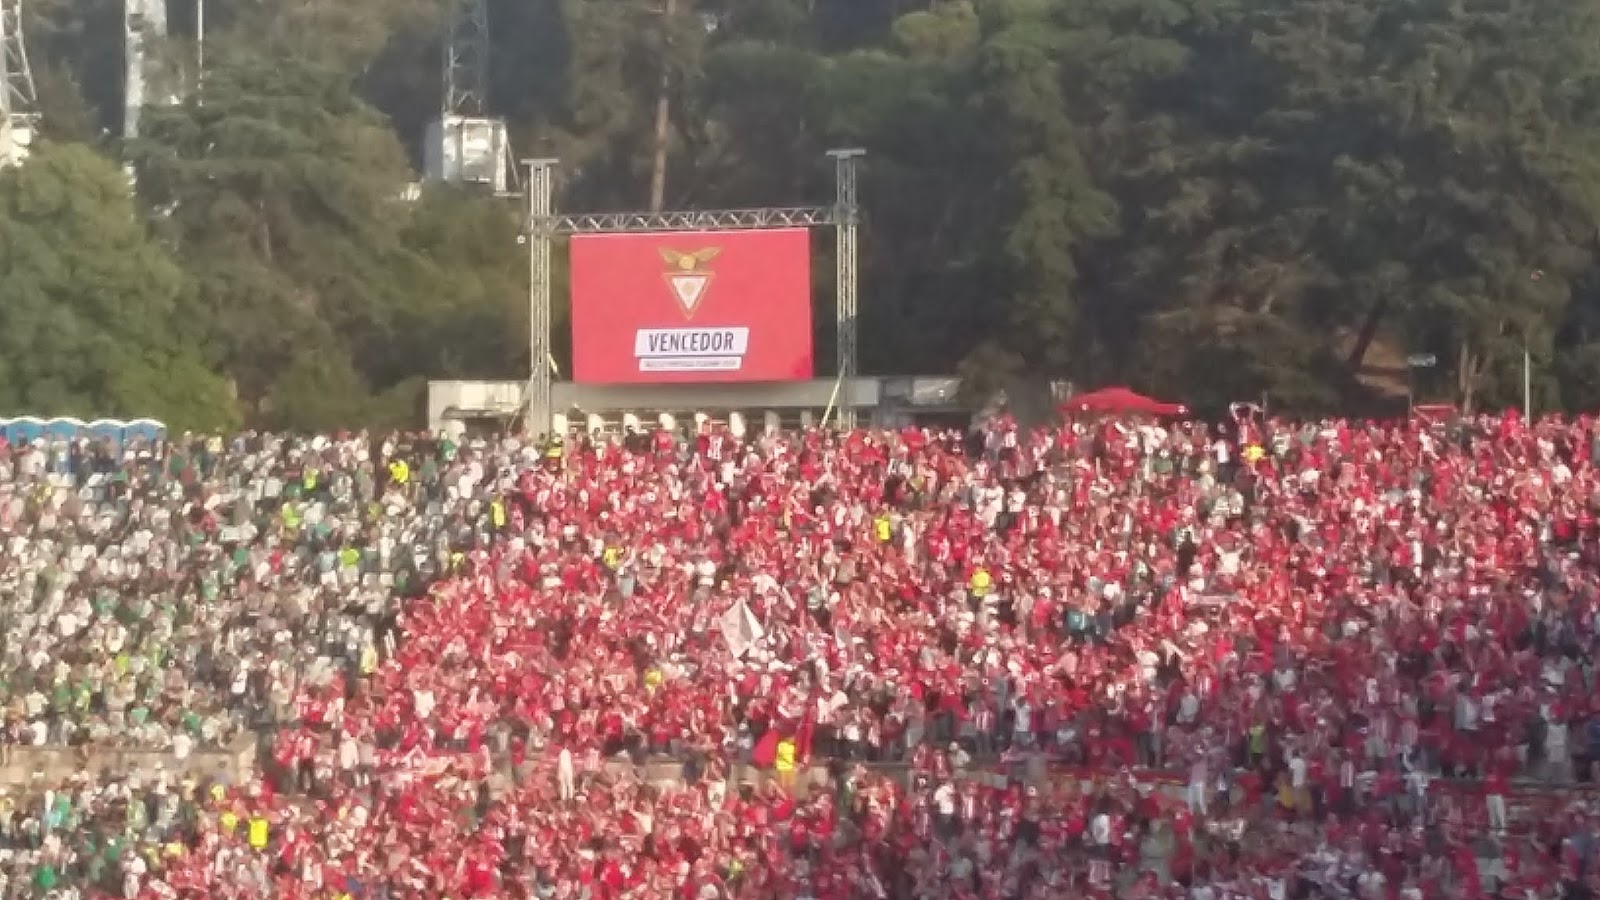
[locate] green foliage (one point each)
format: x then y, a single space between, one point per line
1213 199
96 315
287 196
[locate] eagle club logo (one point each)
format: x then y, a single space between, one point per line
688 276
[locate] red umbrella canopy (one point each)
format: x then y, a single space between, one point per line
1121 401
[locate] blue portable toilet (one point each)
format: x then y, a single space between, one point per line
143 431
63 428
24 429
106 431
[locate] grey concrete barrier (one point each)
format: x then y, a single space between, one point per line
234 764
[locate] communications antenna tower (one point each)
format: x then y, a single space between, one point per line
18 99
466 145
466 61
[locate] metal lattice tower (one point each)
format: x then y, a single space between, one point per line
17 96
465 145
544 224
466 60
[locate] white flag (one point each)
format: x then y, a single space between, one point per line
740 628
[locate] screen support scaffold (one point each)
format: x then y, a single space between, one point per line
544 224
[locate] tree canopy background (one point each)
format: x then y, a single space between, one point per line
1209 199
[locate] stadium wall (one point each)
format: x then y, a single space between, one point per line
882 401
232 765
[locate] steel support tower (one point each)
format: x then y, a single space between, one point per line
846 213
540 190
466 61
17 95
465 145
544 224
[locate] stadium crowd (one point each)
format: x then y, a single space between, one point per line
1261 660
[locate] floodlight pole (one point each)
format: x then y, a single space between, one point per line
199 50
541 177
544 224
846 212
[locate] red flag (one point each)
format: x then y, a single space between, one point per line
766 750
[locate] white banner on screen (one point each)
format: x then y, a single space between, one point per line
691 349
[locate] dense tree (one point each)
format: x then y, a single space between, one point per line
288 198
97 317
1212 198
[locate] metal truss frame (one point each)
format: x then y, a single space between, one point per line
699 220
